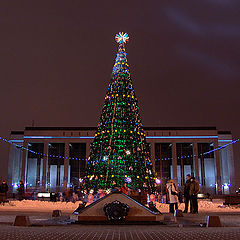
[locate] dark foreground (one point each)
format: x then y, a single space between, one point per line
93 232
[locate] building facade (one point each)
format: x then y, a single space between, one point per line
62 154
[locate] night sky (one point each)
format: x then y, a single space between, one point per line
56 59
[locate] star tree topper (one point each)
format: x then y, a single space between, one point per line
121 38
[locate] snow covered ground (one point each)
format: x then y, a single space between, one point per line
204 206
38 206
45 206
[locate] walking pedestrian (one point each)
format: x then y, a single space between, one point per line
187 193
172 198
194 190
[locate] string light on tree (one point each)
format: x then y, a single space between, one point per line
158 181
105 158
128 179
128 152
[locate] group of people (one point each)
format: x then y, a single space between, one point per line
191 190
173 196
4 191
90 197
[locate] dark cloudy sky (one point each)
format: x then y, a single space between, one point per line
56 59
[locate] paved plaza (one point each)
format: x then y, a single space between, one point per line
45 227
107 232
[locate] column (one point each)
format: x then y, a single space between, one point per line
66 165
195 159
174 161
218 168
45 159
152 145
231 169
24 158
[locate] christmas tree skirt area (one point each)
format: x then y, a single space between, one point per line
118 208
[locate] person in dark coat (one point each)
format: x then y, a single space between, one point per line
21 191
194 190
187 193
3 191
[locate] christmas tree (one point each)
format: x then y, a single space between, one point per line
119 152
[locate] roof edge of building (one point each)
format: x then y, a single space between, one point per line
225 132
95 128
17 132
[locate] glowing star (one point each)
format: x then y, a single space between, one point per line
121 37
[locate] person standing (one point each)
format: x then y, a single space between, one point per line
124 188
172 198
90 196
21 190
194 190
85 197
3 191
187 193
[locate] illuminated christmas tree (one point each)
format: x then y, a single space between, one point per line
119 151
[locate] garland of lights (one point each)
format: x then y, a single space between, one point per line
156 159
